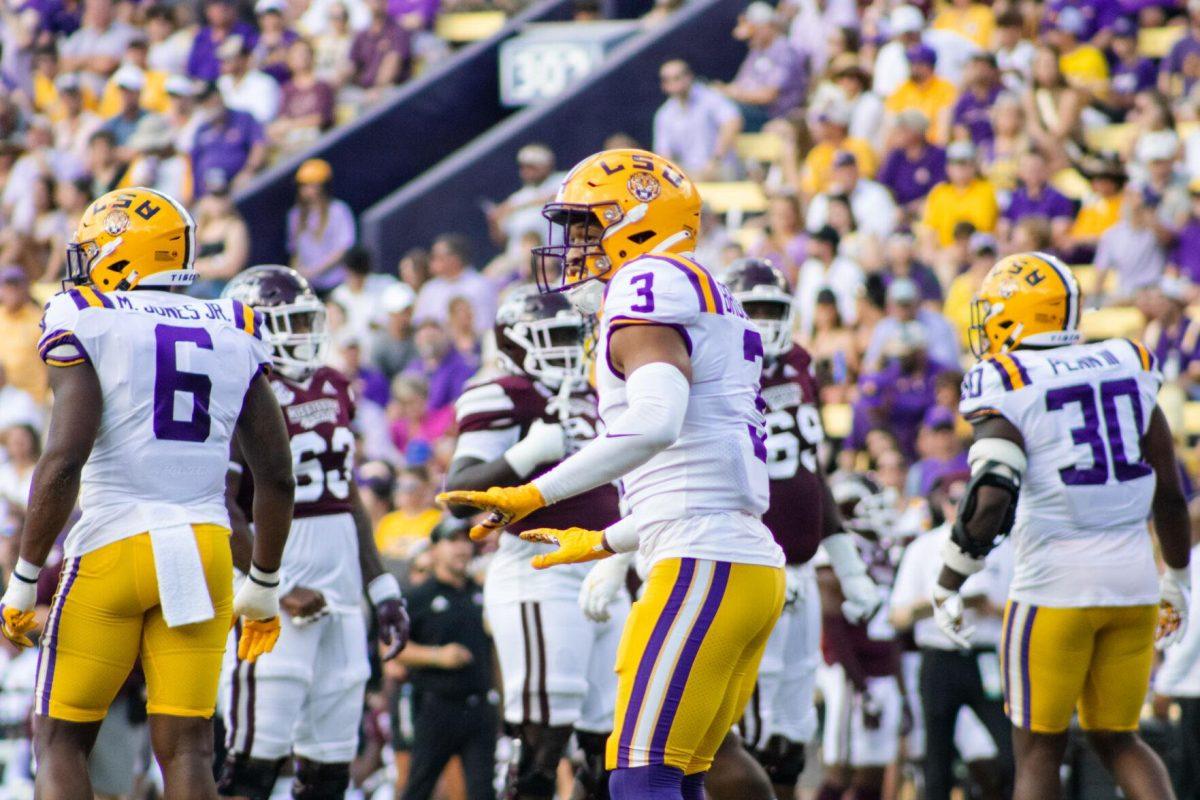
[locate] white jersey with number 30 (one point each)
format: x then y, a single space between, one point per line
1081 536
174 372
714 476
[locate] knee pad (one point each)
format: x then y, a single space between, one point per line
542 748
317 781
783 760
590 774
242 776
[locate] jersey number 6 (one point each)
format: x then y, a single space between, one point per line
170 382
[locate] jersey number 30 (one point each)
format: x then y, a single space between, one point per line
1102 439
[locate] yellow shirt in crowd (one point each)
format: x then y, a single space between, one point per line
975 22
948 205
399 530
153 99
19 352
817 171
957 305
931 98
1096 216
1085 66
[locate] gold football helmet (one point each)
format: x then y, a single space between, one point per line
131 237
613 207
1026 299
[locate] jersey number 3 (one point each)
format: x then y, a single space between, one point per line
1106 440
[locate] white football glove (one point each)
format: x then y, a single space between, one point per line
254 600
17 605
793 588
256 603
544 444
861 595
1175 585
948 614
602 585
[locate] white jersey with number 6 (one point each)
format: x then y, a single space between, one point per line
1080 537
715 475
174 373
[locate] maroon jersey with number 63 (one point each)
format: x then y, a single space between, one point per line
318 413
512 403
794 430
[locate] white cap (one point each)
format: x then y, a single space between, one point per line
268 6
961 150
759 13
180 86
129 77
1157 146
906 19
397 298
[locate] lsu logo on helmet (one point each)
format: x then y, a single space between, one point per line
131 237
1026 299
613 207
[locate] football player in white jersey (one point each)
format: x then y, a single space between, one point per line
677 373
556 664
149 389
1072 454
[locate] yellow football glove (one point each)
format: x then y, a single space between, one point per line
575 546
505 504
258 637
17 624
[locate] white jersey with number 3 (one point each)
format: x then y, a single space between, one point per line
714 477
1081 536
174 372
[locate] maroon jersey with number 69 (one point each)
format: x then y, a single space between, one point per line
794 431
318 413
512 403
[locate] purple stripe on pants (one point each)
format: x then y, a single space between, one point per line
687 567
1025 700
1005 643
670 706
50 647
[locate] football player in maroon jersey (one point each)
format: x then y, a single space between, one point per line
556 665
864 696
781 716
307 700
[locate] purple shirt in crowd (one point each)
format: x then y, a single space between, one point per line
202 62
912 180
370 47
276 55
975 114
314 242
224 145
777 66
1185 48
1130 78
895 401
446 379
428 10
1049 203
1187 250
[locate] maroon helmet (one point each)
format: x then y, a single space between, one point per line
541 335
766 298
293 316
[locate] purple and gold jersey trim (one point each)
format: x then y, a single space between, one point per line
87 297
1149 362
705 285
621 321
1014 661
1012 373
61 349
666 662
49 640
247 319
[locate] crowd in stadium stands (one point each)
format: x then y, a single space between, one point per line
882 155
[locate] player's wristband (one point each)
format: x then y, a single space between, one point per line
263 578
621 536
383 587
959 561
26 572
